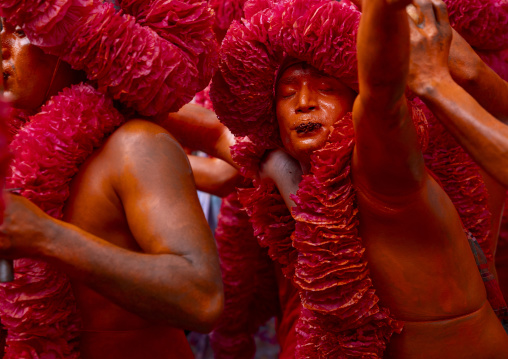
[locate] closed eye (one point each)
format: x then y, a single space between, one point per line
19 32
288 94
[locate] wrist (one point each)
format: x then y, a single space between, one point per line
431 87
223 145
45 247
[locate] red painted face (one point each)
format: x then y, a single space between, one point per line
308 103
27 70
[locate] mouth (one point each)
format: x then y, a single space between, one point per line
307 127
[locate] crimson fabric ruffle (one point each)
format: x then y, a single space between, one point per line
497 61
342 318
38 308
460 177
202 98
186 24
272 223
5 135
226 11
483 23
153 69
250 288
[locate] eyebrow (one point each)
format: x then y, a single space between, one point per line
288 80
293 79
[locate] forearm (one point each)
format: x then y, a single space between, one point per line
383 52
214 176
285 172
198 128
483 137
386 141
163 287
485 86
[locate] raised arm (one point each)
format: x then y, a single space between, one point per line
213 175
479 132
198 128
387 159
177 279
478 79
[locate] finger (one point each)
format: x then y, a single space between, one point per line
415 16
440 11
425 7
414 29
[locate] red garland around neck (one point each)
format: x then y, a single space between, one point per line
38 308
341 317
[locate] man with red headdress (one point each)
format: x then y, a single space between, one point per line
377 245
122 217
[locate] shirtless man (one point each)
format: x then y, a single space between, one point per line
133 238
418 255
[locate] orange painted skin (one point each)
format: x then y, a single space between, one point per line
133 239
419 258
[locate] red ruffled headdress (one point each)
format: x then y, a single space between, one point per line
483 23
154 62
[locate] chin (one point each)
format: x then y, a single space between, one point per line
308 145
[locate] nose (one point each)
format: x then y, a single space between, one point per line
306 100
6 52
6 41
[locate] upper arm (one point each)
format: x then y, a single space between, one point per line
387 158
155 185
213 175
199 128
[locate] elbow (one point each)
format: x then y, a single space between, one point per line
210 311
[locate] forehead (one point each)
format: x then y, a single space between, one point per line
301 71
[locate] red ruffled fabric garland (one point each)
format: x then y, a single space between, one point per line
186 24
461 179
272 223
342 318
38 308
483 23
4 147
497 61
250 288
151 71
226 11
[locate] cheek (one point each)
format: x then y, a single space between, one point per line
338 108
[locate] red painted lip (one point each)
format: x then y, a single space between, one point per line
308 127
6 75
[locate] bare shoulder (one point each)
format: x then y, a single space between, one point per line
141 133
146 142
141 153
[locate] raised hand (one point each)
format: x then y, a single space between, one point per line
431 37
